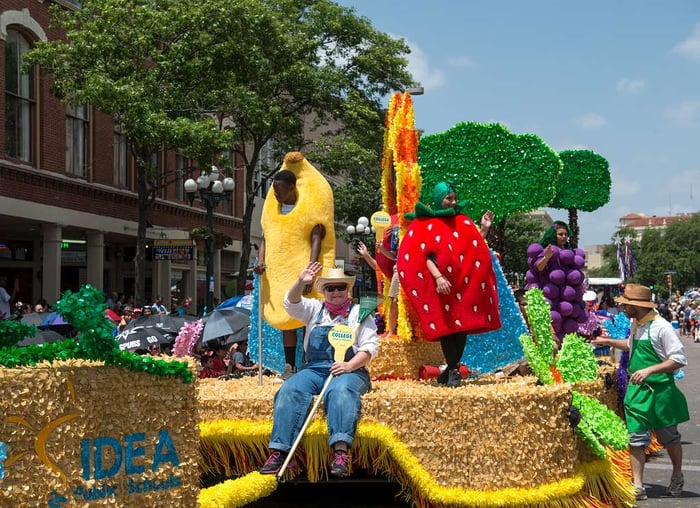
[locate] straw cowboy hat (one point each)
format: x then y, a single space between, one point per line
637 295
334 275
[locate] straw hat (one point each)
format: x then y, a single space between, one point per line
637 295
334 275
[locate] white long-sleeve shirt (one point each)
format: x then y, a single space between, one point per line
664 340
307 309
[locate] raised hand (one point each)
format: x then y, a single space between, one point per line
312 269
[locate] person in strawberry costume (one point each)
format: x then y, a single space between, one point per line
445 269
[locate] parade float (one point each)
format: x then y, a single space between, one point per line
86 425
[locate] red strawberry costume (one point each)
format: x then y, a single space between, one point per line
453 242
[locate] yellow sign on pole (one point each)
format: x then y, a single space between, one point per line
380 221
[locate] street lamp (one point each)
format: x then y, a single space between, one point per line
360 231
416 90
211 191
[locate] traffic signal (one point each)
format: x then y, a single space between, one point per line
669 280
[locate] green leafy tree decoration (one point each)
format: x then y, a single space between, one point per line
492 168
584 184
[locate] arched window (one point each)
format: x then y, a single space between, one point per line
20 99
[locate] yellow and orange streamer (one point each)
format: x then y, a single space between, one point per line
401 182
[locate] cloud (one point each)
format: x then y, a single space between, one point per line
685 114
421 69
689 48
590 121
627 85
462 61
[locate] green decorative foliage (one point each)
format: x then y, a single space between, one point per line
576 360
85 310
12 332
492 168
584 183
599 425
538 363
540 321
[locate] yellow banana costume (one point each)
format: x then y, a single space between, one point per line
288 238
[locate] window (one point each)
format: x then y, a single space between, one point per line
121 158
77 122
20 99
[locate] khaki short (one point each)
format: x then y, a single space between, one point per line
394 286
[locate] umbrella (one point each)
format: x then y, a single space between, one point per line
141 338
169 325
41 337
226 321
34 318
54 321
113 315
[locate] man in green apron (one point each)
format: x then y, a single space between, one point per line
652 401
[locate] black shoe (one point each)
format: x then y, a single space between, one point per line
442 377
340 464
454 378
274 462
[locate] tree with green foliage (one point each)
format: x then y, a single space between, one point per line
610 266
491 168
217 77
675 248
518 235
584 184
128 59
682 245
297 75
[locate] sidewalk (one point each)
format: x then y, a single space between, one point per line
657 472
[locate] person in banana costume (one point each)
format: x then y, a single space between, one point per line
297 222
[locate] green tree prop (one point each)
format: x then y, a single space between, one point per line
492 168
584 184
575 363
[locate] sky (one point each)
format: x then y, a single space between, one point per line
619 77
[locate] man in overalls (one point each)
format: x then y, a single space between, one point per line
351 378
653 401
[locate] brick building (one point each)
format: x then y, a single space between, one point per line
68 203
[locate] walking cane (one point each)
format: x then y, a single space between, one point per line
260 347
341 338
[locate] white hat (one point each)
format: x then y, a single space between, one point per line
334 275
590 296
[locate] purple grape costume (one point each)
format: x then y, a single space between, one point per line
561 280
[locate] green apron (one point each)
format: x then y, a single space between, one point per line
657 402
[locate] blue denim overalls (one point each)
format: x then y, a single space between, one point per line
341 400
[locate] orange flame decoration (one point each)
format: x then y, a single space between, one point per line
401 181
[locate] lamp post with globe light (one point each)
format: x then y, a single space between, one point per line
211 190
362 231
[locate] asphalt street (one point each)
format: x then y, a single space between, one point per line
657 472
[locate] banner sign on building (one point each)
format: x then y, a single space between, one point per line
172 250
